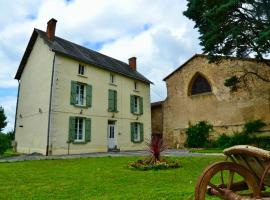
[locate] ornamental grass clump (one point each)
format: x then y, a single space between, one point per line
154 161
155 147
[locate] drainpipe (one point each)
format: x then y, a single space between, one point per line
50 108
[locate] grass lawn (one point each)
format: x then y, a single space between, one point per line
98 178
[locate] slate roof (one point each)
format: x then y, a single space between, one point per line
79 53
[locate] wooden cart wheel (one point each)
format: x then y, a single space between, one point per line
228 181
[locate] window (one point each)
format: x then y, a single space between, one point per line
112 79
135 86
112 101
81 69
80 94
199 84
136 104
137 130
79 129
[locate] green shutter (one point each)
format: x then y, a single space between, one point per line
132 102
115 101
141 132
141 105
87 129
111 101
71 129
73 93
88 95
132 131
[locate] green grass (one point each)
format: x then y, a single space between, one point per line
213 150
99 178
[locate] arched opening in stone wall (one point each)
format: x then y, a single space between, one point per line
199 84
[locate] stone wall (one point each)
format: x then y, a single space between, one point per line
226 110
157 118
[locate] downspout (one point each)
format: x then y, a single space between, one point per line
50 108
18 93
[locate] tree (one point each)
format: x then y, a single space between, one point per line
238 28
3 119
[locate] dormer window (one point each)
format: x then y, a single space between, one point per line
199 84
112 79
81 69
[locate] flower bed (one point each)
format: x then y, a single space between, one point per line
147 164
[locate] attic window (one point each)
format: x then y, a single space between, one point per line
112 79
199 84
81 69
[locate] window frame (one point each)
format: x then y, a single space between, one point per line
112 78
136 104
136 86
77 129
81 70
80 96
137 132
193 81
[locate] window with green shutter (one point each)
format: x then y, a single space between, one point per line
112 101
141 105
137 132
132 131
88 130
136 104
79 129
132 102
71 134
89 95
73 92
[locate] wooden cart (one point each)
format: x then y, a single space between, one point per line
245 177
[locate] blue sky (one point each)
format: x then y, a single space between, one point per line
155 31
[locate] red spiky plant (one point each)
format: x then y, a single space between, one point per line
155 147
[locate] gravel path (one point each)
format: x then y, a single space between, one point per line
171 152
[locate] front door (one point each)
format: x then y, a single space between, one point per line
111 135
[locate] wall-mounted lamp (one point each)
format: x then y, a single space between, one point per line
81 112
39 110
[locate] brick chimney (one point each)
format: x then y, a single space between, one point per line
51 25
132 63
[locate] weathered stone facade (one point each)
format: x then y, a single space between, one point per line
226 110
157 117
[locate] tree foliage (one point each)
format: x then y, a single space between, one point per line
232 27
3 119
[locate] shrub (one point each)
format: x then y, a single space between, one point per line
254 126
4 143
224 141
198 134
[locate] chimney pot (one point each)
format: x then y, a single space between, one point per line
132 63
51 26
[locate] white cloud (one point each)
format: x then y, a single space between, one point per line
155 32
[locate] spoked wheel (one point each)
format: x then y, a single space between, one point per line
227 181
